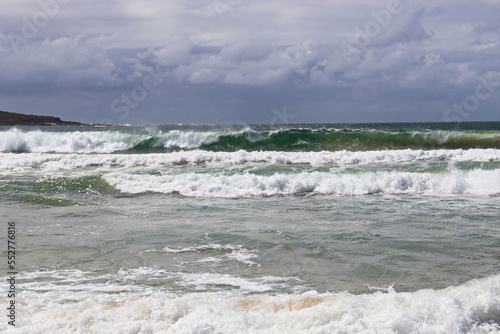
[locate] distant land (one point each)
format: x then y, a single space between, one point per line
15 119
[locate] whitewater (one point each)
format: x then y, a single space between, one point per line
307 228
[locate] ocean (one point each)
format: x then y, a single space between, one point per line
303 228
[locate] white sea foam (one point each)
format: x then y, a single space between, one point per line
474 182
134 282
47 161
99 141
67 142
91 141
473 307
204 281
235 252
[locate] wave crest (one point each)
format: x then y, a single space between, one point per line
299 139
475 182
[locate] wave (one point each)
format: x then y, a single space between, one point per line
299 139
52 162
227 184
475 182
353 140
15 140
78 304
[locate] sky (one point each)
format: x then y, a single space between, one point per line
251 61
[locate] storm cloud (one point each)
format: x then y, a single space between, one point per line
254 61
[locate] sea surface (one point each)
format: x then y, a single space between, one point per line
304 228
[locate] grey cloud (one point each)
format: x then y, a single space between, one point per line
430 54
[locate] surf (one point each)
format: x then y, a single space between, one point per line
293 139
471 307
475 183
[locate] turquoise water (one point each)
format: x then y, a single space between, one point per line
209 229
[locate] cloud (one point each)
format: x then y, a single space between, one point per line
428 50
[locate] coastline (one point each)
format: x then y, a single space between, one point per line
16 119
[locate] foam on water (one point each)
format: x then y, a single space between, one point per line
235 252
52 162
474 182
82 142
14 140
473 307
139 281
144 140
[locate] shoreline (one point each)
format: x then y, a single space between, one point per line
16 119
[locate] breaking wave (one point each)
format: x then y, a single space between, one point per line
54 161
79 303
475 182
299 139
